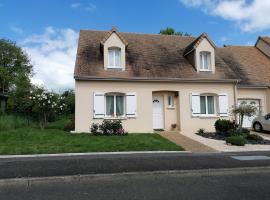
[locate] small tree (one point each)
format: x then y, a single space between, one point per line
171 31
45 104
244 110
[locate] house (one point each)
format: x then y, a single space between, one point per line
153 81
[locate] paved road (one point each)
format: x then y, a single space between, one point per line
160 186
100 164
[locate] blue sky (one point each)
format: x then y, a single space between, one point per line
48 30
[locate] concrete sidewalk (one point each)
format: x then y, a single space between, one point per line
187 143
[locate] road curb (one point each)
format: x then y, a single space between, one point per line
180 173
90 153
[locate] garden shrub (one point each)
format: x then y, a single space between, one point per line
239 132
95 129
236 140
70 125
224 125
254 137
201 131
108 127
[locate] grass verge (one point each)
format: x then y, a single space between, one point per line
35 141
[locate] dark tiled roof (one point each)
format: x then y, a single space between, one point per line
161 56
248 62
196 42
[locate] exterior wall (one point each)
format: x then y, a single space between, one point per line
144 90
260 94
205 46
114 41
264 47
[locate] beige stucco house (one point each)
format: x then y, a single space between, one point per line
153 81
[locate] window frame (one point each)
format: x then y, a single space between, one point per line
171 103
114 116
202 61
114 49
206 105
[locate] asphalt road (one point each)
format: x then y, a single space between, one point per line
161 186
102 164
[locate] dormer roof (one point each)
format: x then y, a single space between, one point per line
114 30
196 42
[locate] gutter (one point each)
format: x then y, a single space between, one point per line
253 86
137 79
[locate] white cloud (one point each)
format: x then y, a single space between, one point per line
87 7
91 7
75 5
16 29
249 15
53 56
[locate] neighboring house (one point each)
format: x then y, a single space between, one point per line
152 81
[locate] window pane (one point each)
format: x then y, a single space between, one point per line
111 58
203 105
208 61
119 105
117 58
201 61
110 105
210 105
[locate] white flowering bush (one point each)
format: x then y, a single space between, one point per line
45 104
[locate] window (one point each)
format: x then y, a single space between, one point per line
207 105
114 104
114 58
205 61
170 101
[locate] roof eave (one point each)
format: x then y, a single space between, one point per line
253 86
160 79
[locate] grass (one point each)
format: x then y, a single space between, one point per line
10 122
20 136
35 141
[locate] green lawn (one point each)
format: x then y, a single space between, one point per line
35 141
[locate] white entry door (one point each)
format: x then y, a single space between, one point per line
247 122
158 121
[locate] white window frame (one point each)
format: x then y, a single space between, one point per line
114 66
206 106
114 106
202 61
170 101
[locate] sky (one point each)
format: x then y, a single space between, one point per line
48 30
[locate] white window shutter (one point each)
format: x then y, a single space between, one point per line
99 105
131 100
195 104
223 104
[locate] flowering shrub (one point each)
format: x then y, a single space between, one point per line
108 127
45 104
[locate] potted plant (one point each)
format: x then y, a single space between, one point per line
174 127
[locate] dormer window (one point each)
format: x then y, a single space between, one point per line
114 58
205 61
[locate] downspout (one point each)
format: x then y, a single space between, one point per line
235 93
235 97
268 99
